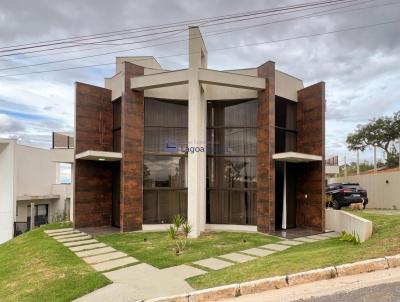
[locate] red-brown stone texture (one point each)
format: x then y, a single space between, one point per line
132 147
93 180
265 150
311 140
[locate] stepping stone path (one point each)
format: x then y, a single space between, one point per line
290 242
100 256
306 239
275 247
80 242
213 263
257 252
236 257
131 282
261 251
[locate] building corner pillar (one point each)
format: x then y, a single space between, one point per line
197 134
132 149
265 150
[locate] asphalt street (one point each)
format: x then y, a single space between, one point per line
378 286
388 292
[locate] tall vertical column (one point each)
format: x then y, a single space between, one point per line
196 134
265 150
92 198
311 140
132 148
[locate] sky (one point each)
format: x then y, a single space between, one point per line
361 67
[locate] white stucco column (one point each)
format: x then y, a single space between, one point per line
284 204
196 134
32 226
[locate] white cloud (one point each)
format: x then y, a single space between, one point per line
8 124
361 68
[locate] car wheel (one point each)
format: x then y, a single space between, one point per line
335 204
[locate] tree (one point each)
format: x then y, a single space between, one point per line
381 133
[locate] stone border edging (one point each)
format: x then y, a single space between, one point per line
261 285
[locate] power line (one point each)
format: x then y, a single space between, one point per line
117 45
166 43
220 49
205 20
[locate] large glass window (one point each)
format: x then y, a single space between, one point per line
117 125
231 162
285 125
165 161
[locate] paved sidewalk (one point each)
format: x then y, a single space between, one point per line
325 288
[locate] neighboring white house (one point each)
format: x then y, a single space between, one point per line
33 175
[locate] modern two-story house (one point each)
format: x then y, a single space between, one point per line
34 186
233 149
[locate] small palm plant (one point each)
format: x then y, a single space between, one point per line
179 231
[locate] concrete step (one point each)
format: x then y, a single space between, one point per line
69 236
104 257
275 247
81 242
87 247
94 252
58 230
257 252
108 265
83 237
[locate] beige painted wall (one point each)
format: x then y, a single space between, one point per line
381 195
35 171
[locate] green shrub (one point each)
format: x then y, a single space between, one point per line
179 231
353 237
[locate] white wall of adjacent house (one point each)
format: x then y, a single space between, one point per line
7 197
38 175
35 171
29 174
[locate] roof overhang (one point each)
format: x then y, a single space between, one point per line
230 79
295 157
99 155
37 197
159 80
205 76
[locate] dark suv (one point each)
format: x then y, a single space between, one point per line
344 194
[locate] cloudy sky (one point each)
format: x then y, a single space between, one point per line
361 67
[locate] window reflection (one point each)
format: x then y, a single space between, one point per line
165 176
241 113
231 162
164 171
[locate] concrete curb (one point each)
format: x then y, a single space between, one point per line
256 286
311 276
362 267
393 261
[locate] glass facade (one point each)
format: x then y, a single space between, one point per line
165 162
231 162
285 129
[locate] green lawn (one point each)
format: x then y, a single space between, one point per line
35 267
385 241
157 249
